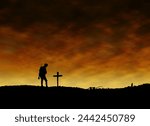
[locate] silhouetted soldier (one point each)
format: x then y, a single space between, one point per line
42 74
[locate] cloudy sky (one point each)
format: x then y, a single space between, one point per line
91 42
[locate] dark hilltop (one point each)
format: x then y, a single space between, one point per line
68 97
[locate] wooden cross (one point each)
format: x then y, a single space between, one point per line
58 75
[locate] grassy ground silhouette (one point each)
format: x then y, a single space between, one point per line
67 97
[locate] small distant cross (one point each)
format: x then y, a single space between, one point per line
58 75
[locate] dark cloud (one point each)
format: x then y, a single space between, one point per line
24 13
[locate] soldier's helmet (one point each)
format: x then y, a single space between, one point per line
45 64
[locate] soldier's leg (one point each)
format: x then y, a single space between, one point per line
46 81
41 82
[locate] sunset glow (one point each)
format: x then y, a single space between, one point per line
92 43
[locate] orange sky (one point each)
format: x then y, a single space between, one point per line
90 43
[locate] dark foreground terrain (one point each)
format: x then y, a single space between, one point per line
66 97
